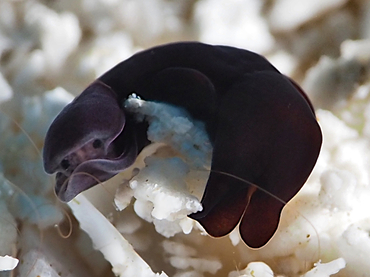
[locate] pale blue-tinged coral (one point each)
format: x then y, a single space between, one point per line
25 188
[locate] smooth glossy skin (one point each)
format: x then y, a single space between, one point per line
261 124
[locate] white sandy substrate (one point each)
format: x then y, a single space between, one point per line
136 224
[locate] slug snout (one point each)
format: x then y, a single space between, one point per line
94 149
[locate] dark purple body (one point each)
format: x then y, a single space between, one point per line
261 124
